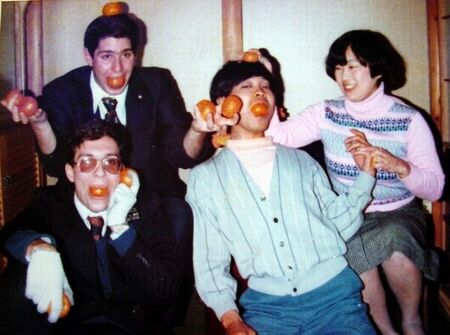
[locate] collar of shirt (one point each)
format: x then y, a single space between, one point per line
85 212
98 93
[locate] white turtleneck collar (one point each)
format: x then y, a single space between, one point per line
257 156
375 104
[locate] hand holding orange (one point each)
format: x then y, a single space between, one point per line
13 94
205 107
125 177
219 139
65 309
26 104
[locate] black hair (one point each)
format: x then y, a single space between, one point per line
117 26
372 49
233 73
94 130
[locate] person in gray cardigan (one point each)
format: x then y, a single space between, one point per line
272 209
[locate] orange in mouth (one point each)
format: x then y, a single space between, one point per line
259 109
115 82
98 192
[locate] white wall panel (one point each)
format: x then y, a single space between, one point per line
183 35
299 32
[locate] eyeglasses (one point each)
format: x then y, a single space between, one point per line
110 164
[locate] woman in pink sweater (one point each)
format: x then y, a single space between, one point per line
367 68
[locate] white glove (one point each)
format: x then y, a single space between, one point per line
121 201
46 283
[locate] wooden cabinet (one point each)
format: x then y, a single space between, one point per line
19 169
439 55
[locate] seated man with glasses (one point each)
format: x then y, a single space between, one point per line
101 243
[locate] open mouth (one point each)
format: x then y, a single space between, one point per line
115 82
348 87
98 191
259 109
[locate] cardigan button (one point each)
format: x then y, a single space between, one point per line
275 220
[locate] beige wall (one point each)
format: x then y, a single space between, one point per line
299 33
185 36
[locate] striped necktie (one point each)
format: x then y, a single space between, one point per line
111 114
96 226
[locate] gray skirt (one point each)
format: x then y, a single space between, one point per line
382 233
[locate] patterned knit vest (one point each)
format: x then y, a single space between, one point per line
387 129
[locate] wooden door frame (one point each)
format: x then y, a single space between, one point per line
232 35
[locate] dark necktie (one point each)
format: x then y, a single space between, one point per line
111 115
101 254
96 226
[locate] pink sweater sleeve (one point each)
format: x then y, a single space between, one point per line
299 130
426 179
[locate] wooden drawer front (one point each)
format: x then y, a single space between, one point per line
19 171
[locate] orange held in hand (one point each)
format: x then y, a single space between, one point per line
65 309
114 8
125 177
28 106
259 109
231 106
115 82
250 57
219 140
205 107
98 192
13 94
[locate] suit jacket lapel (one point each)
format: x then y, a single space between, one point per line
139 107
83 106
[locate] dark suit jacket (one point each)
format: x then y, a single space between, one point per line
144 279
156 119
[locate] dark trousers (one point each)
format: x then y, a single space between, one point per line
18 314
181 218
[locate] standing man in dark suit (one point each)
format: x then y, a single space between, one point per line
164 137
102 243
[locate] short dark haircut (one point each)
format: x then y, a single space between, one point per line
94 130
117 26
233 73
372 49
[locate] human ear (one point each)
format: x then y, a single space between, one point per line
70 172
87 56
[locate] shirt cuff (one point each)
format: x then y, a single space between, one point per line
123 242
17 244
